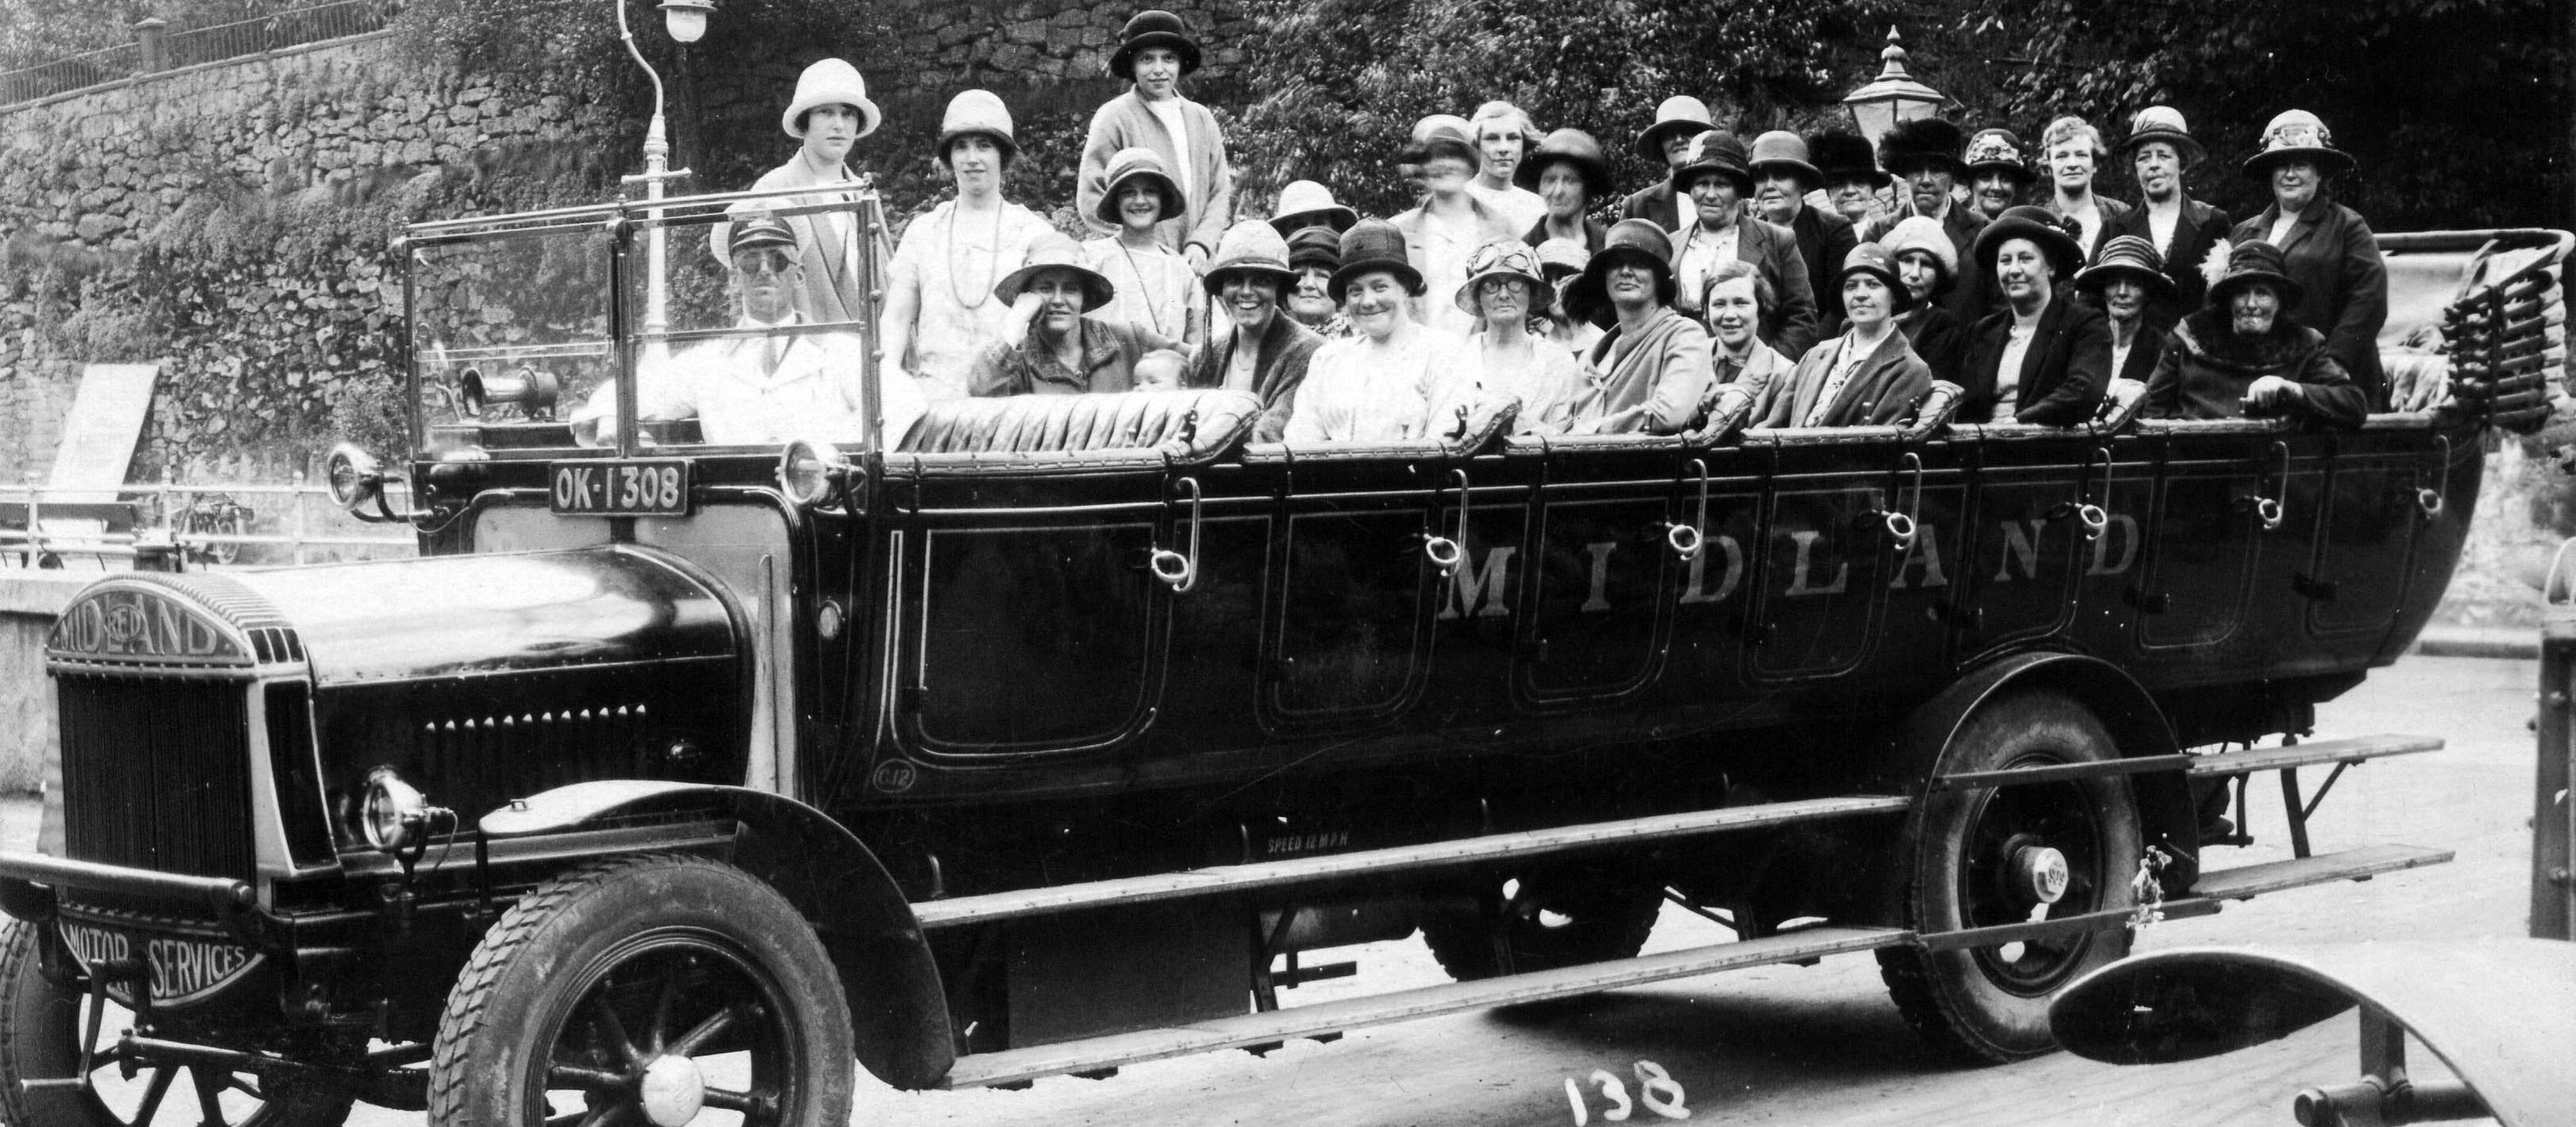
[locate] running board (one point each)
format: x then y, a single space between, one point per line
1457 853
1014 1065
2249 881
2345 751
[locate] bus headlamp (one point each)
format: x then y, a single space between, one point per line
393 814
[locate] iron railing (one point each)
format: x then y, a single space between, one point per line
202 524
157 48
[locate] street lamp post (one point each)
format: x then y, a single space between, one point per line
1893 96
686 20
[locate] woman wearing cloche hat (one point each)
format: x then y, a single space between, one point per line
1154 51
1393 380
2324 245
1509 299
1266 352
1650 371
2045 358
1063 350
829 112
940 311
1868 376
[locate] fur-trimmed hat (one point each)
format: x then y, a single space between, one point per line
1924 140
1842 154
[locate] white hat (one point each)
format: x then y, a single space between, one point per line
979 112
829 82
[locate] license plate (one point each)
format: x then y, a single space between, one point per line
622 487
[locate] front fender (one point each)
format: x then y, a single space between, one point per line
896 1002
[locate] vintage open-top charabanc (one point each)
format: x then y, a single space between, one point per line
1045 736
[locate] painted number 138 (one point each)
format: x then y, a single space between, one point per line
1656 1089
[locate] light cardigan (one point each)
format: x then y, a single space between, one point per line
1124 122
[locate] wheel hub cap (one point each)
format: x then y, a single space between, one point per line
2039 874
673 1091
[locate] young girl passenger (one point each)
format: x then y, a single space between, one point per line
1157 289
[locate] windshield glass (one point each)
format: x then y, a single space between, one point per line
515 348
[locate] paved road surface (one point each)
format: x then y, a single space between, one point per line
1822 1045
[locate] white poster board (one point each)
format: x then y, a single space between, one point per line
99 437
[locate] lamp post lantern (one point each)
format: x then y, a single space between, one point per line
1893 96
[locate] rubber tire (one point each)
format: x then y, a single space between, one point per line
1948 997
39 1039
1607 918
515 988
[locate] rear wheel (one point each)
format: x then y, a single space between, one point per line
646 991
41 1023
2006 855
1544 919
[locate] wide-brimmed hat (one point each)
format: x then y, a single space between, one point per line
1056 252
2254 261
2040 226
1680 113
1250 247
1843 155
1134 164
1153 27
2127 256
1780 148
1570 147
2297 135
1714 153
2161 123
977 112
1998 150
829 82
1924 233
1922 141
1501 258
1372 245
1443 134
1317 245
1565 256
1873 260
1629 240
1305 203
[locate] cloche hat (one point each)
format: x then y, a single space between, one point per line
1056 252
1250 247
1629 240
1559 257
1922 141
977 112
829 82
2039 225
2255 261
1305 203
1572 147
2127 256
1680 113
2162 123
1317 245
2297 134
1138 164
1924 233
1153 27
1873 260
1714 153
1780 148
1370 246
1443 134
1998 150
1501 258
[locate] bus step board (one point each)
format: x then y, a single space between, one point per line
1015 1065
1457 853
2354 750
2249 881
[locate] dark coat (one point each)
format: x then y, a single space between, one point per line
2206 368
1824 240
1790 324
2200 228
2332 254
1882 392
1593 234
1655 204
2063 373
2143 352
1940 339
1286 348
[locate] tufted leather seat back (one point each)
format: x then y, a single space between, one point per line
1187 426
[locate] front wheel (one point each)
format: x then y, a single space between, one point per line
645 991
41 1023
2007 855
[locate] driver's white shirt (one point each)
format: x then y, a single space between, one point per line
739 399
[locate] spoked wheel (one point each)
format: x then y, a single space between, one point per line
41 1024
2008 855
651 992
1545 919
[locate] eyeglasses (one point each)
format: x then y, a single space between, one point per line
764 262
